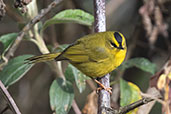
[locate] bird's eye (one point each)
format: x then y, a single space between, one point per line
113 44
118 37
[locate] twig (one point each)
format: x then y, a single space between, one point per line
152 97
9 99
134 105
5 109
126 109
29 26
75 107
100 26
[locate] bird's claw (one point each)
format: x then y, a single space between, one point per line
108 89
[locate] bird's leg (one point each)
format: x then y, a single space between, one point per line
109 89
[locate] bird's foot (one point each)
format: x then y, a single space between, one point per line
108 89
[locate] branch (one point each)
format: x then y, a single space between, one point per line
9 99
126 109
29 26
134 105
100 26
100 17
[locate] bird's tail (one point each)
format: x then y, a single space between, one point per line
42 58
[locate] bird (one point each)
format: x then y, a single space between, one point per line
95 54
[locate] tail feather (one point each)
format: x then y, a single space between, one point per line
42 58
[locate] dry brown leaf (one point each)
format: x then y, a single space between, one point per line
91 105
162 81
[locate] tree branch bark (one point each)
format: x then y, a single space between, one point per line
100 26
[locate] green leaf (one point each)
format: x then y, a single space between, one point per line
7 41
14 70
61 96
125 93
69 73
141 63
129 93
71 16
72 74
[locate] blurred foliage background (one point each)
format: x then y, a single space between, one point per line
145 24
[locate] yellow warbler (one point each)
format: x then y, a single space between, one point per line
95 55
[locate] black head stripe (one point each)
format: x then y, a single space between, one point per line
118 37
113 44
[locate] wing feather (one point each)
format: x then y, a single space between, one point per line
85 51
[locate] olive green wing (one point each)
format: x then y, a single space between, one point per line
74 53
78 53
